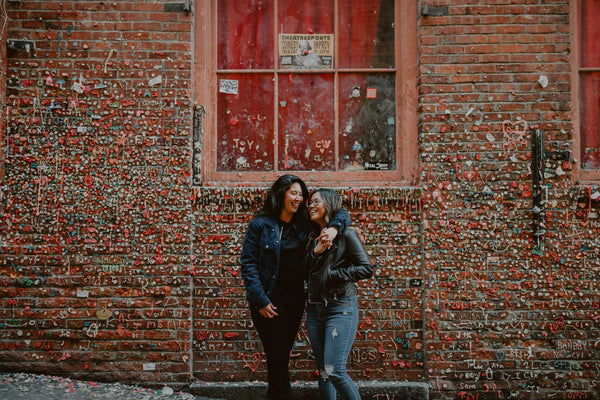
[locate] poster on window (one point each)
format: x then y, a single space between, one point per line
297 51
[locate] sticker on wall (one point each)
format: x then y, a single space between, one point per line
378 166
371 93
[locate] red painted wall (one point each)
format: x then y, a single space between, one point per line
113 267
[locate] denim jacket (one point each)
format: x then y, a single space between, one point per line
261 251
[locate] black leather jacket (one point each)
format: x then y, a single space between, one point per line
331 274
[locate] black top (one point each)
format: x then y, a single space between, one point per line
289 286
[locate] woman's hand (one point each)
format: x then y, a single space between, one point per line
268 311
321 246
325 238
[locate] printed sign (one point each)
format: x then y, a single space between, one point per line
228 86
298 51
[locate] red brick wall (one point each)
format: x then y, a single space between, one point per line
506 316
96 200
113 267
389 339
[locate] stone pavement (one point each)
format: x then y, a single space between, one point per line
23 386
372 390
17 386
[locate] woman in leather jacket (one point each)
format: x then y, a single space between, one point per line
332 310
273 250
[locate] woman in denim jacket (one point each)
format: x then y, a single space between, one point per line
273 250
332 310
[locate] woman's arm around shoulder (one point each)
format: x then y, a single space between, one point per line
341 220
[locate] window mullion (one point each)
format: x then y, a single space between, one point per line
275 89
336 128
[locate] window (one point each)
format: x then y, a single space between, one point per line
326 89
587 87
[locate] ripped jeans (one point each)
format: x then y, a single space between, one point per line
331 328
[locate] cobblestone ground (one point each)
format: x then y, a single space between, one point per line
15 386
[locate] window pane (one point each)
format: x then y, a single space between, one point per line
307 16
366 34
367 122
245 34
306 122
590 120
245 122
590 34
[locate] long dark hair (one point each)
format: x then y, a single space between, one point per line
274 200
333 204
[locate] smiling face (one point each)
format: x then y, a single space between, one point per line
316 209
304 47
291 202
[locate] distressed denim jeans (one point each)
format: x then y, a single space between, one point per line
331 328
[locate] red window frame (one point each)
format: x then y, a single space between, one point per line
205 94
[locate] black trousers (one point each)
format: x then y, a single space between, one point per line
277 336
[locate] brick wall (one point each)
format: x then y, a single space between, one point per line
509 314
389 340
113 267
96 201
3 65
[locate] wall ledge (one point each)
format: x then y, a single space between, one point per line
308 390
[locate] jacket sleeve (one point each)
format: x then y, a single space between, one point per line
255 292
357 265
341 220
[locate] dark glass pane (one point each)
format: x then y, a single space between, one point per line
590 120
245 34
245 122
306 122
366 34
367 122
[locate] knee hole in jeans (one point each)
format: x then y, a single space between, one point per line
324 374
